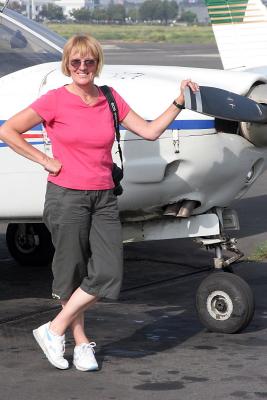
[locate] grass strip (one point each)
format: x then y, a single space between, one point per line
139 33
260 253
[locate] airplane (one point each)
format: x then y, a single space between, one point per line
179 186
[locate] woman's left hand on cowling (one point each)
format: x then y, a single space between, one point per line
188 82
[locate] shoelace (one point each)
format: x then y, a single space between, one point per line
88 346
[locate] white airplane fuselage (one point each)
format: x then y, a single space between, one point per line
190 161
178 186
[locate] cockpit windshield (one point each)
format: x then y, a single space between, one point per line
24 43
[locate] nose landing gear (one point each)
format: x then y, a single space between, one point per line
224 301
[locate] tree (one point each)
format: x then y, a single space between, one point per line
133 14
147 10
14 5
81 14
189 17
17 6
52 12
116 12
99 14
152 10
170 10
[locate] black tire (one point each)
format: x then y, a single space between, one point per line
30 244
225 303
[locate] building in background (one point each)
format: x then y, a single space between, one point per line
69 5
33 7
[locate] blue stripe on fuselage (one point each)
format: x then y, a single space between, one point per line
33 143
185 124
177 124
188 124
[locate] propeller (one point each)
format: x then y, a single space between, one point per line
225 105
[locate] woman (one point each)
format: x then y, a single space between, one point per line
80 207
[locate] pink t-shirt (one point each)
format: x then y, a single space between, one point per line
82 137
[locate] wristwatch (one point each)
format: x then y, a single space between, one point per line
180 106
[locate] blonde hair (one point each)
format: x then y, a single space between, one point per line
82 44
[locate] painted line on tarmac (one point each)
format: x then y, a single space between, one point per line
195 55
110 47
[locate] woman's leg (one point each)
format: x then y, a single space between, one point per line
105 266
77 327
71 313
51 336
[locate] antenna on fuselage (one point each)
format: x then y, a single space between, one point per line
4 6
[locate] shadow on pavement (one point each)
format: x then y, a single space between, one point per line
144 263
253 223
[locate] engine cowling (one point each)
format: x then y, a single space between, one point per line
256 133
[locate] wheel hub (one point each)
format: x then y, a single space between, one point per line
219 305
25 242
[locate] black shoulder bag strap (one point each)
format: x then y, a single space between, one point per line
114 109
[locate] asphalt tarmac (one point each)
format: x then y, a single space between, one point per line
150 344
189 55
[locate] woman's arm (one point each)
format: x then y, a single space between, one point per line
10 133
152 130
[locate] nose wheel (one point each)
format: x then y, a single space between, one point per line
224 303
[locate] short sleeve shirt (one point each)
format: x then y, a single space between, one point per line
81 136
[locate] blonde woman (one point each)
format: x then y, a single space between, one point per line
80 209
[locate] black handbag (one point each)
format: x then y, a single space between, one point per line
117 172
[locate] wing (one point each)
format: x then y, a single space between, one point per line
240 30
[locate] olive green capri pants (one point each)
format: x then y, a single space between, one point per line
86 233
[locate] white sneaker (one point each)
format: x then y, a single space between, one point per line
84 357
52 345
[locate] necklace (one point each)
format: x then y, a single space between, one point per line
86 98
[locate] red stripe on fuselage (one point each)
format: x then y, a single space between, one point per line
32 135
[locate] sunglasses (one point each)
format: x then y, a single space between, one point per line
76 63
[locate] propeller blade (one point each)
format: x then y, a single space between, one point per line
225 105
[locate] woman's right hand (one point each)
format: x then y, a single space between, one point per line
53 166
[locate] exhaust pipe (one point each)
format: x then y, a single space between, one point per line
181 209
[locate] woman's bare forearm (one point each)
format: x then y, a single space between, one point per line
17 143
11 133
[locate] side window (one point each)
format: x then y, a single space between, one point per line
20 48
